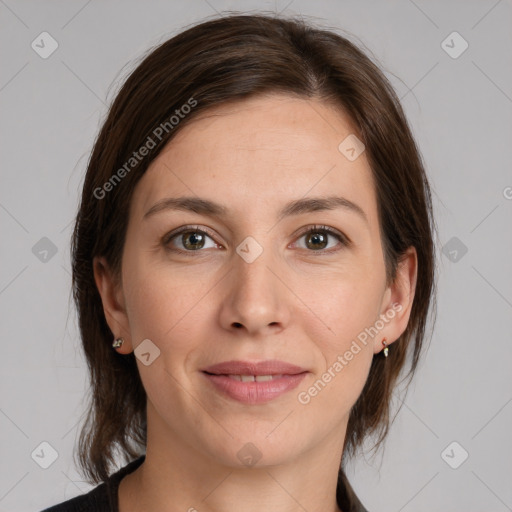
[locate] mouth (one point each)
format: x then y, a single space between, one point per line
254 383
250 378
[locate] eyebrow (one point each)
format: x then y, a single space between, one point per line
296 207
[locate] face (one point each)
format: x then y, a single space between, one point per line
265 274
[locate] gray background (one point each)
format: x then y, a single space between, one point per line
460 110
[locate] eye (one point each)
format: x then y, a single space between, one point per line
317 239
189 239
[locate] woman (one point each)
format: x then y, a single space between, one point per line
252 266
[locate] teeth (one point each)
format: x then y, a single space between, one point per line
254 378
263 378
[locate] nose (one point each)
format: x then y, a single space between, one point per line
256 300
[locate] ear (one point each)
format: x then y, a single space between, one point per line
113 303
397 300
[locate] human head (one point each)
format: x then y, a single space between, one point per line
218 62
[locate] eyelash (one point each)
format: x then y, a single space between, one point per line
310 229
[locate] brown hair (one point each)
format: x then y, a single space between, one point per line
214 62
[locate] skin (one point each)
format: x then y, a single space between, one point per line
291 303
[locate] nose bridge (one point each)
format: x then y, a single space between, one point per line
256 297
251 273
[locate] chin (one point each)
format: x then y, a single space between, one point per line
258 450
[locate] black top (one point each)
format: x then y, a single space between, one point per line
103 498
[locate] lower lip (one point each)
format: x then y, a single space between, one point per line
255 392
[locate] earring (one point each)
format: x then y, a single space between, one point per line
118 342
386 348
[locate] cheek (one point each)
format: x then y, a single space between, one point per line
164 310
332 394
340 307
340 315
344 350
155 302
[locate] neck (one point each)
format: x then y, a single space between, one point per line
176 476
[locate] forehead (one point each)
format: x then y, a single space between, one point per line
261 152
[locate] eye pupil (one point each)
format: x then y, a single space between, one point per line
319 240
195 238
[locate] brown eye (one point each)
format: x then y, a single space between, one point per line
320 239
189 239
316 240
192 240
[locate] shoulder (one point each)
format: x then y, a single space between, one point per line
102 498
345 495
97 500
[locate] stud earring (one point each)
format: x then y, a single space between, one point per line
386 348
118 342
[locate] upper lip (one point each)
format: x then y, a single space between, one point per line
269 367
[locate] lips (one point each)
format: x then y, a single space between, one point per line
270 367
254 383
